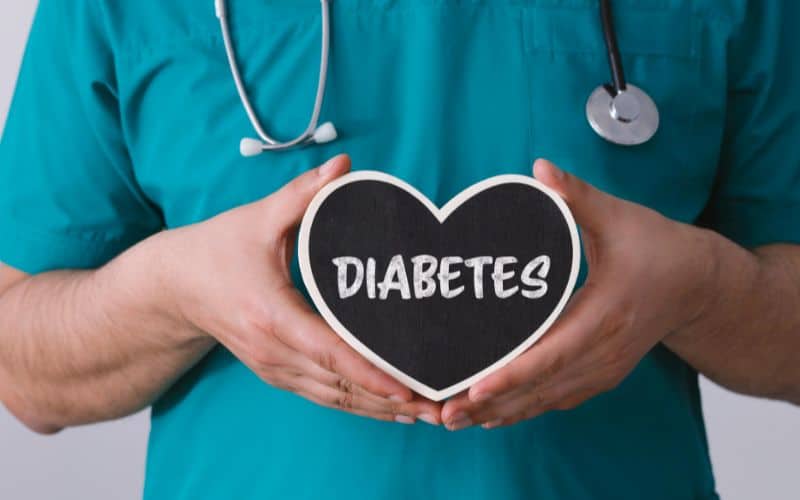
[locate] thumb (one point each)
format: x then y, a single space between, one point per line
593 209
287 205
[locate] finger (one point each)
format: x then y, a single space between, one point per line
599 368
351 402
556 351
594 210
558 395
418 407
461 406
386 417
287 205
303 330
465 413
533 400
533 412
285 365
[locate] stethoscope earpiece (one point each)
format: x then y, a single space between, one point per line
313 134
325 133
249 146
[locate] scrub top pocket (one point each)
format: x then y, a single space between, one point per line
188 117
567 59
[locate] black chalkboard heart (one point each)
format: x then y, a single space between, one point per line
438 298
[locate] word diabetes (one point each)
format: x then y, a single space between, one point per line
448 276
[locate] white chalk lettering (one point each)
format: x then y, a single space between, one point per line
500 276
539 284
371 278
430 274
424 270
342 264
395 279
477 264
446 276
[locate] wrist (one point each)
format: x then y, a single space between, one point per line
700 291
708 284
144 280
723 271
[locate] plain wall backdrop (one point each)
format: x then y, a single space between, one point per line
755 444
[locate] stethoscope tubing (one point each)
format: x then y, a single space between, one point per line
270 143
612 49
621 114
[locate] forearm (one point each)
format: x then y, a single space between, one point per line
747 337
79 347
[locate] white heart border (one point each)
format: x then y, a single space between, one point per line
441 215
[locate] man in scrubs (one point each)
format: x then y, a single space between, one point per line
147 263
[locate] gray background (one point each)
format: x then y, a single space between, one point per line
754 443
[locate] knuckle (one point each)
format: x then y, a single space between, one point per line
268 375
538 400
326 359
286 385
612 360
298 188
263 359
345 400
508 379
273 235
616 363
344 385
331 400
617 320
553 365
274 242
274 378
295 187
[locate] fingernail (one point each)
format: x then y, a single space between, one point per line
404 419
459 421
481 397
554 171
428 418
327 167
492 423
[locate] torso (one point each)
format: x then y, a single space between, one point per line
441 94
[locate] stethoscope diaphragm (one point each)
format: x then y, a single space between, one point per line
629 118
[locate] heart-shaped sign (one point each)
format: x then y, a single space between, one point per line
438 297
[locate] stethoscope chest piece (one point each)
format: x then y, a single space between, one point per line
629 118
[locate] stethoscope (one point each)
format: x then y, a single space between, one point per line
617 111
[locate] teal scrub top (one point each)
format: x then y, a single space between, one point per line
126 121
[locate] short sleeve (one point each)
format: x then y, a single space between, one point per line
68 194
756 199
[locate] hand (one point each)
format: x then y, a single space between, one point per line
648 276
229 278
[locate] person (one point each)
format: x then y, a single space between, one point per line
147 263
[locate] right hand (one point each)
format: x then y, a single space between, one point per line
229 278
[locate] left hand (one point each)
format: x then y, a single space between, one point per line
648 276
